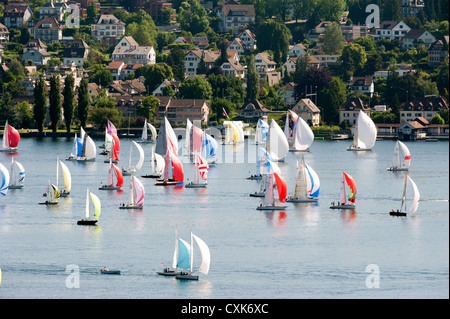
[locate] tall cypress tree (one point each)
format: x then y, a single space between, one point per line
55 102
83 102
40 103
252 81
68 94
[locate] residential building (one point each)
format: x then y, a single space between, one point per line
400 68
248 38
107 28
308 111
128 104
53 9
416 37
234 68
192 59
130 52
233 15
412 7
264 64
127 87
4 33
237 45
16 15
34 44
328 60
297 50
438 52
426 107
289 94
48 30
290 65
350 110
155 8
159 90
362 84
316 33
116 67
252 112
76 53
37 57
391 30
179 110
352 32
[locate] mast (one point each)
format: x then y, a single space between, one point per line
175 253
87 203
57 171
131 191
343 197
192 253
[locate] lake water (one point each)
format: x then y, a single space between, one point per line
305 251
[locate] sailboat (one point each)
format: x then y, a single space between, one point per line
140 162
113 170
181 258
209 148
145 138
302 136
291 119
261 157
365 134
400 163
10 140
158 164
234 133
5 180
205 263
16 182
170 151
269 203
261 131
277 144
67 178
52 195
307 185
343 203
136 194
258 175
415 202
201 168
97 210
114 149
83 148
187 141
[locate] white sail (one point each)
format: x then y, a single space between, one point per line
261 131
108 141
187 141
90 149
303 136
144 131
313 181
138 191
205 253
67 177
160 163
268 197
277 144
396 159
172 140
87 204
301 190
141 156
5 180
153 131
5 142
406 154
416 199
366 134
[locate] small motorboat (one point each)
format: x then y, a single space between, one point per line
107 271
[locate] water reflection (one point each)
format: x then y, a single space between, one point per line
348 216
275 218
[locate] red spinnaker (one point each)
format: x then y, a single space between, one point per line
281 187
352 185
13 136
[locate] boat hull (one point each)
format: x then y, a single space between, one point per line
110 272
295 150
108 187
64 194
131 207
169 273
255 177
397 213
186 277
85 159
257 194
271 207
87 222
193 185
151 176
397 169
302 200
15 186
48 203
358 149
9 149
166 183
342 206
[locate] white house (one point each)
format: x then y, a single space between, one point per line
193 57
416 37
248 38
76 53
234 68
297 50
390 30
264 63
129 51
107 26
362 84
233 15
237 45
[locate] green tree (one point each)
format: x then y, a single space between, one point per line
25 113
392 10
274 36
103 109
83 102
192 17
195 88
437 119
331 99
102 76
333 39
353 59
68 103
154 75
176 61
40 103
7 110
148 107
252 81
330 10
91 12
55 102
